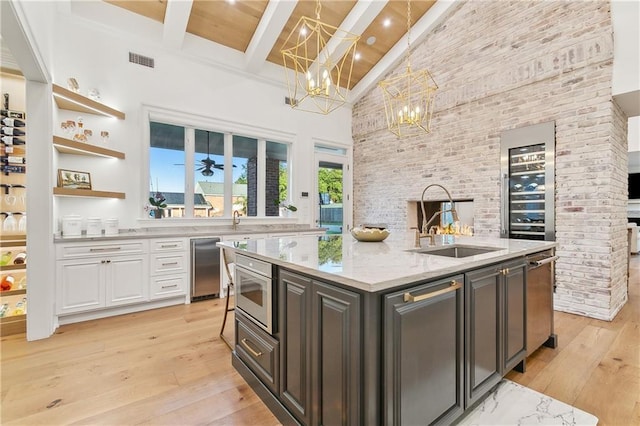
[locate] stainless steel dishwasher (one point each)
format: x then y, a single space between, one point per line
205 268
540 289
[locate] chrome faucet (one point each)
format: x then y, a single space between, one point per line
425 223
235 220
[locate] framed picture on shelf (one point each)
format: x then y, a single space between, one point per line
73 179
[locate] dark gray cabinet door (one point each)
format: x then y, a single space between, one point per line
483 360
514 313
336 343
295 344
423 354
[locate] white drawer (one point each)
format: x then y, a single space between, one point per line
168 286
73 251
168 244
175 263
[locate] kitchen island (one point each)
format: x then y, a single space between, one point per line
381 333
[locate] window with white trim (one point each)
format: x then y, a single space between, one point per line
225 172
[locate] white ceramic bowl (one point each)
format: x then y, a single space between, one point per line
369 234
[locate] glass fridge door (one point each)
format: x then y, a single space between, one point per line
527 192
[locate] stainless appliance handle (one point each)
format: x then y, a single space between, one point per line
505 205
544 261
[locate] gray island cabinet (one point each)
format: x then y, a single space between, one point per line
360 339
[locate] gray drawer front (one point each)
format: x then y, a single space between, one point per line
259 351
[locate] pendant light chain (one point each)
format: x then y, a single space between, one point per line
318 7
409 35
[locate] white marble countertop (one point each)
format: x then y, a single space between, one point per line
378 266
187 231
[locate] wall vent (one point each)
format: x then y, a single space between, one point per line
290 101
145 61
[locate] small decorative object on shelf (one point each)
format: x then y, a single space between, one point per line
73 179
105 136
80 135
72 84
94 94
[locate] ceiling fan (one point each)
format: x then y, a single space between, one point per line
207 164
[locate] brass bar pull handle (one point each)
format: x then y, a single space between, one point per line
543 261
408 297
249 348
104 249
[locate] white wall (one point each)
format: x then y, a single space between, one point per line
68 45
98 58
626 65
634 134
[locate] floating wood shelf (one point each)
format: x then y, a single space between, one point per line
14 324
66 99
13 292
67 146
13 267
86 193
13 240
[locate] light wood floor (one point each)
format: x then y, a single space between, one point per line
168 366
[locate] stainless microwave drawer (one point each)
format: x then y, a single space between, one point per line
258 266
259 351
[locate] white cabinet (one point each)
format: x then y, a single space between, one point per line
81 286
91 276
169 267
127 280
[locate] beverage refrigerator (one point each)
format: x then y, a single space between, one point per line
527 157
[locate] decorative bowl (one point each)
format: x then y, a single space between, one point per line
369 234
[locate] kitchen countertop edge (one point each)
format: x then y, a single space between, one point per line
405 280
133 234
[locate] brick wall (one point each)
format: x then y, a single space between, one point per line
252 186
502 65
272 187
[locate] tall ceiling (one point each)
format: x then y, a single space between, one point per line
257 29
235 24
247 35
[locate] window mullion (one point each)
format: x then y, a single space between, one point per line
228 175
189 166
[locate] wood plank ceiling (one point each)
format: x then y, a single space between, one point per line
234 23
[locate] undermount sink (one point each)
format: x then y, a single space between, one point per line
455 250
